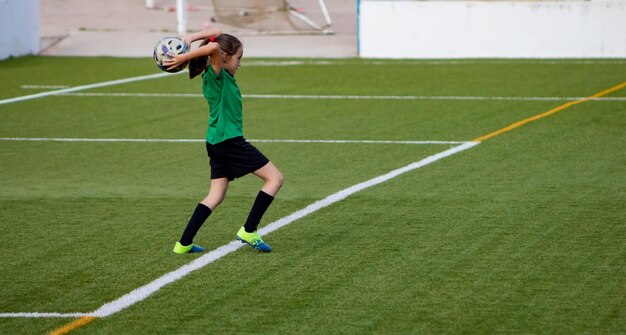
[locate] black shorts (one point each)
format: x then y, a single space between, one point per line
234 158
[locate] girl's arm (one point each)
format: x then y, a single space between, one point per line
201 35
205 50
212 49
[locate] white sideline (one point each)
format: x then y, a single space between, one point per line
145 291
183 140
429 62
42 315
343 97
86 87
38 87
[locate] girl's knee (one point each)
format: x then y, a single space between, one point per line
273 183
279 179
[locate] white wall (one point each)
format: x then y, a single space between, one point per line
19 27
492 29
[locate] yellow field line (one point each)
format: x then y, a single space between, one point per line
550 112
73 325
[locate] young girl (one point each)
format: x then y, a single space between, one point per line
217 58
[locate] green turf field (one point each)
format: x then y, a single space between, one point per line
523 233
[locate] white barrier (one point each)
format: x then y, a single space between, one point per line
492 29
19 28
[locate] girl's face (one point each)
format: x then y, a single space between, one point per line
232 62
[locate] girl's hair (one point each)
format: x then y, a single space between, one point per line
228 43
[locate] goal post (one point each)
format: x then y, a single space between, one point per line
181 17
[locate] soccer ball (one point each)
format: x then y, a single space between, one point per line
166 48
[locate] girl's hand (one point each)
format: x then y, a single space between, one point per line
175 61
188 39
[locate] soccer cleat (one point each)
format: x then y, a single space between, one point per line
253 239
192 248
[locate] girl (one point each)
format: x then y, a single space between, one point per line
217 58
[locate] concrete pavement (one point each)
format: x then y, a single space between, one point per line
125 28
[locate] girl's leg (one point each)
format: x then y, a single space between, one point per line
217 192
273 180
216 195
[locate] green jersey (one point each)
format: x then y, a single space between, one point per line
225 108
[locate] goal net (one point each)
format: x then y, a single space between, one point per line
275 16
260 16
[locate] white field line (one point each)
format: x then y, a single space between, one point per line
147 290
433 62
85 87
38 87
182 140
344 97
42 315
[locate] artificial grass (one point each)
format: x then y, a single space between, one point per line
523 233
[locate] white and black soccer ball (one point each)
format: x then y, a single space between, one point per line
168 47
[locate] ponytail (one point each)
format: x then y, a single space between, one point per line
228 43
198 65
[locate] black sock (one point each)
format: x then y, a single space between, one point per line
261 203
200 214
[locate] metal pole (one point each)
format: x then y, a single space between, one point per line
325 11
181 17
